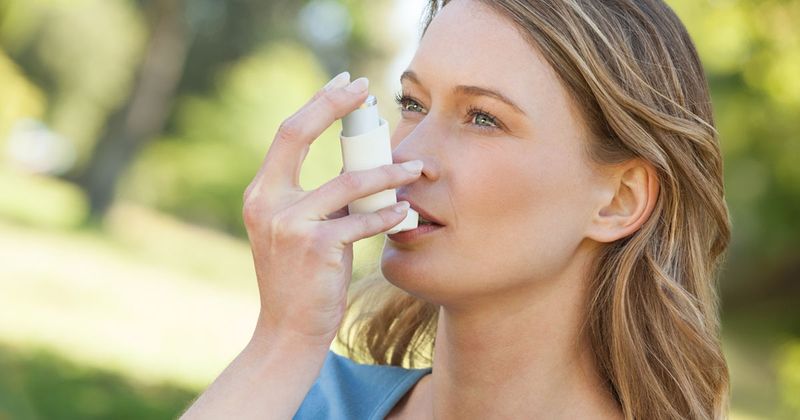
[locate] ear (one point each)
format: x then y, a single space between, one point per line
632 190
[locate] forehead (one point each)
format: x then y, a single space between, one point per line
469 43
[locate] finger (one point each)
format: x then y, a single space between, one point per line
344 211
363 225
351 186
339 81
295 135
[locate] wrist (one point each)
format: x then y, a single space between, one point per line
268 337
271 353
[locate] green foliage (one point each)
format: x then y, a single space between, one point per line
20 98
751 53
42 385
40 201
83 54
220 140
789 379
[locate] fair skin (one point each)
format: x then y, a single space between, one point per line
524 213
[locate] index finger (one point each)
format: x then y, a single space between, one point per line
295 135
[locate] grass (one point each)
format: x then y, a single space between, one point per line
40 384
101 305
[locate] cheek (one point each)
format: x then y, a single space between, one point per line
511 188
513 207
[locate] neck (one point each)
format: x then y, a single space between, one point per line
524 352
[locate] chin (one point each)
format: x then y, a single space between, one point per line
407 270
403 265
414 273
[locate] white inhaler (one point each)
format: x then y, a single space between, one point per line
366 144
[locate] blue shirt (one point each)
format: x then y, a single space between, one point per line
349 390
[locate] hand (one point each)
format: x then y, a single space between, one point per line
302 240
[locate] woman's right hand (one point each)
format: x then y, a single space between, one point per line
302 240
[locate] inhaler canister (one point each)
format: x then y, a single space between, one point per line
366 144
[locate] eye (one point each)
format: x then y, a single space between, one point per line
407 103
481 117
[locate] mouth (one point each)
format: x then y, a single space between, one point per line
425 222
421 231
425 217
426 225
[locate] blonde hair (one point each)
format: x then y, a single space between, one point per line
652 316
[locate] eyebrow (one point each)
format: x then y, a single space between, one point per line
469 91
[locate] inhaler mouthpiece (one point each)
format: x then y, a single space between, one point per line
366 144
362 120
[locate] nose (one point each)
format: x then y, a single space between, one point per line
418 144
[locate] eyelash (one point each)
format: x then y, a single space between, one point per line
472 111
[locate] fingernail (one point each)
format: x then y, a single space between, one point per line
359 85
401 207
340 80
413 166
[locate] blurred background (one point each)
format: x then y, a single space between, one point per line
129 130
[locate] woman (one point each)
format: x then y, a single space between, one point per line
570 160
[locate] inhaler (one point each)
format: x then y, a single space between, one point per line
366 144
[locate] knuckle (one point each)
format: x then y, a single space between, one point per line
249 214
282 227
317 95
392 173
350 181
248 196
257 207
289 130
331 100
320 250
332 262
253 211
370 222
329 260
318 236
385 218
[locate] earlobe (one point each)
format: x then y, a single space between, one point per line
633 192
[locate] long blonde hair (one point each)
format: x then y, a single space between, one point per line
652 316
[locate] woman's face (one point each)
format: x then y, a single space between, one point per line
510 183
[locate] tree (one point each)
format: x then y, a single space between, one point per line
145 112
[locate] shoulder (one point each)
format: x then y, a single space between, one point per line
350 390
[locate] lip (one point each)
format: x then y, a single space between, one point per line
422 212
412 235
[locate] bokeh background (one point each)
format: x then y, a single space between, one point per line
129 130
